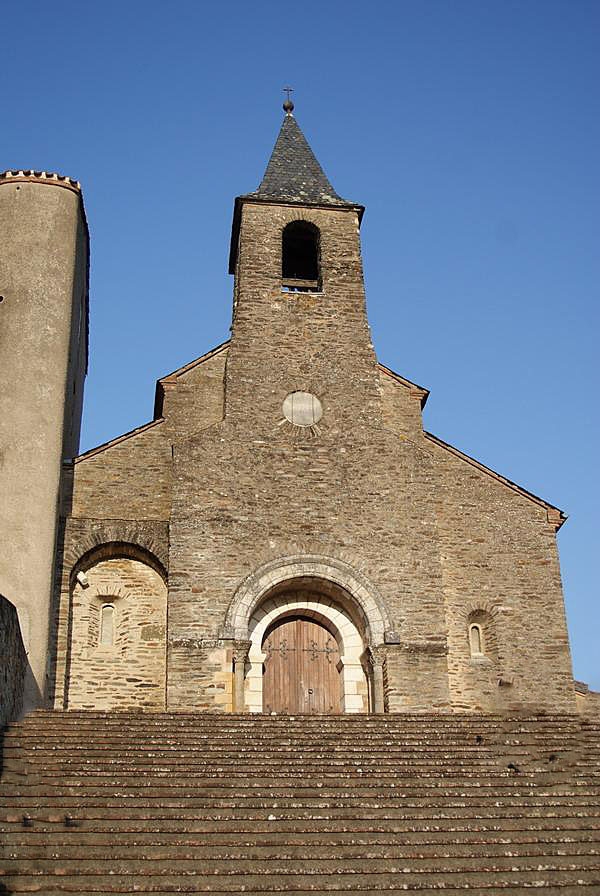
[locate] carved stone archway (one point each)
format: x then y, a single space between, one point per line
330 572
329 588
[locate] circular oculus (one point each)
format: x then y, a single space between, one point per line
302 409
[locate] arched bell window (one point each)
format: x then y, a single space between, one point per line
300 257
107 625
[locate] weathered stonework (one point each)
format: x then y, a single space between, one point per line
14 663
43 352
397 542
123 667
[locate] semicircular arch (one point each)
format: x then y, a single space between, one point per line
334 578
115 550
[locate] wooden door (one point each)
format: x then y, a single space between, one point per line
301 668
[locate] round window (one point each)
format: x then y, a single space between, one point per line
302 409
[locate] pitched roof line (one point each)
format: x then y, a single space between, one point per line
112 442
561 515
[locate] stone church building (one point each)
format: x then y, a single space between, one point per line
283 536
280 638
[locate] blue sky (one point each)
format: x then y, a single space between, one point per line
470 130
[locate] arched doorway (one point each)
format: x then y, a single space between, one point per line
326 588
301 668
306 654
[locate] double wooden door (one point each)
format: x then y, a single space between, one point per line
301 668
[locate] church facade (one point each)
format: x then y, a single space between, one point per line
284 536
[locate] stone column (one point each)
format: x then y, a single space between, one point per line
240 655
376 660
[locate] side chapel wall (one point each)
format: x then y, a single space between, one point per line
127 479
499 557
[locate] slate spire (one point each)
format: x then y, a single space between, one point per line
293 173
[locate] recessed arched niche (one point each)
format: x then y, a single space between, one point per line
117 637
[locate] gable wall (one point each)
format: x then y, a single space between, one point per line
254 488
130 479
499 555
195 399
401 408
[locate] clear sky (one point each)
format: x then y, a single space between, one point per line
470 129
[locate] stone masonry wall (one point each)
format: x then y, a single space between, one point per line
127 479
255 488
13 663
588 702
126 667
194 398
499 556
441 540
401 407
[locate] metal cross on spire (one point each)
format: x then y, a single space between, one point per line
288 106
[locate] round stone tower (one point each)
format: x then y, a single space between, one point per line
43 357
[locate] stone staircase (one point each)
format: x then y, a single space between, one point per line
129 802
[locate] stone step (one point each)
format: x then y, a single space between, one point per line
185 761
434 733
99 742
500 773
192 797
421 825
432 741
284 765
159 866
176 852
448 717
257 759
416 736
506 889
230 721
271 811
304 879
154 787
179 767
298 760
129 745
459 779
78 837
286 776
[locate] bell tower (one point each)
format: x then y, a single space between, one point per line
299 320
302 471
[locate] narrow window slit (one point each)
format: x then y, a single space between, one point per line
107 625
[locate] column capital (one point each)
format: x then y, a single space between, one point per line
240 650
376 655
